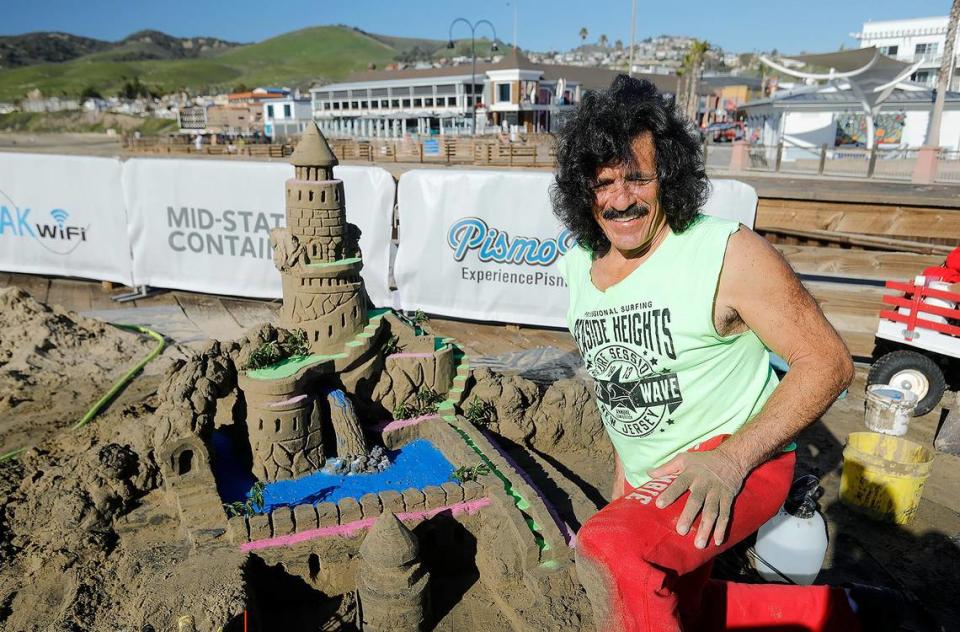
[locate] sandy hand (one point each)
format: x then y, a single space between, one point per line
713 479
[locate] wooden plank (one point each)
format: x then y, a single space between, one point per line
250 313
856 264
860 239
872 219
853 310
70 294
209 315
36 286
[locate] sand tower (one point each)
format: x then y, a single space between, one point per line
322 290
391 581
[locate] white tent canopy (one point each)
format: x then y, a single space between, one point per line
871 75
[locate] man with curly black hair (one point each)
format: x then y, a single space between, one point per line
674 312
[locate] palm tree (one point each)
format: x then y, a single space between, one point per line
618 44
603 41
583 33
946 65
692 68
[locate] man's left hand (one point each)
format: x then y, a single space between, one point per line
714 479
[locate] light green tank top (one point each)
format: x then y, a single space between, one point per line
665 379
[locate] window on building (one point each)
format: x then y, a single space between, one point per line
928 49
384 103
336 105
503 92
354 105
374 104
452 101
922 76
286 110
269 111
395 103
363 105
418 103
428 102
406 103
890 51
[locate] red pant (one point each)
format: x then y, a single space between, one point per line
641 575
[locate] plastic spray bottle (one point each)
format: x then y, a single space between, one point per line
791 545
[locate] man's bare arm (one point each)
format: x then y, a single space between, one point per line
762 293
769 298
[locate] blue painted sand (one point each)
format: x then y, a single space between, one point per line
416 464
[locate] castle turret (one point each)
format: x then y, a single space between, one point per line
392 584
322 290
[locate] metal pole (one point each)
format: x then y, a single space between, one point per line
633 35
473 76
943 78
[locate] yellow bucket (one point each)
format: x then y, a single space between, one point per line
883 476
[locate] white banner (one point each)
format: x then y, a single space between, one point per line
204 225
481 245
484 244
64 216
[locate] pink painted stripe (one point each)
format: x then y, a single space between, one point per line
287 402
410 355
390 425
351 528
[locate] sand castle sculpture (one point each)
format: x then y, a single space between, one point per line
340 405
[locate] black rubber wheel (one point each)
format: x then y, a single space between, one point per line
913 371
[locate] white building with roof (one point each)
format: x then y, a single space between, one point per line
812 116
286 117
511 92
916 39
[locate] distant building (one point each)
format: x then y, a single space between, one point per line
721 97
511 92
285 117
238 114
257 95
193 119
916 39
815 116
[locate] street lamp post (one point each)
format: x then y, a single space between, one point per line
473 43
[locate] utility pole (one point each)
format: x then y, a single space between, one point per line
943 80
633 35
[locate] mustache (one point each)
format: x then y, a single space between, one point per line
634 210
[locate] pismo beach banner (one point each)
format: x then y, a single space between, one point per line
204 225
63 216
484 244
481 245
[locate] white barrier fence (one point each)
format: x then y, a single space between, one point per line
472 244
484 244
205 225
63 215
481 245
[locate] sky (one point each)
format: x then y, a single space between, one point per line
790 26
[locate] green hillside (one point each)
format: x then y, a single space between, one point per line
299 58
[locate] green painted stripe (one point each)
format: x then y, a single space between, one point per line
331 264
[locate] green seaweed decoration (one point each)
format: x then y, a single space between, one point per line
391 346
479 412
294 344
428 399
466 473
425 402
253 504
